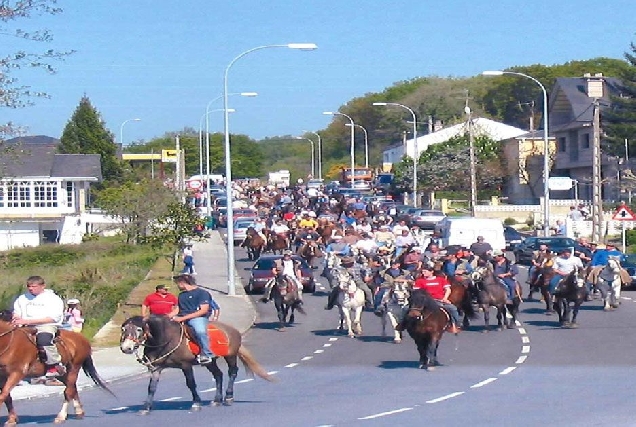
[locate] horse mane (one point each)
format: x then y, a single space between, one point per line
421 298
6 315
135 320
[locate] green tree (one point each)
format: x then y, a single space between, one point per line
619 121
136 205
85 133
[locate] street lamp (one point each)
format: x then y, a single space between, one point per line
416 151
319 152
546 149
228 163
313 163
207 129
353 137
121 130
366 144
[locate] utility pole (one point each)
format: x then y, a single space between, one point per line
473 172
597 185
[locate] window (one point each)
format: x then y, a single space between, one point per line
45 194
585 140
70 194
19 195
561 144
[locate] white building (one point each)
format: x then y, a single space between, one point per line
43 194
482 127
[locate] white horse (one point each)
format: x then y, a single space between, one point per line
609 282
350 300
394 302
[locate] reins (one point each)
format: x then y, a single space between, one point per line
10 331
151 364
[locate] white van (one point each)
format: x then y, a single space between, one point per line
463 231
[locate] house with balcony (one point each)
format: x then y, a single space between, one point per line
43 194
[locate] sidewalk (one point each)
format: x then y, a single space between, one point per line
211 266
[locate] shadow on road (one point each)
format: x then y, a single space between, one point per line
399 364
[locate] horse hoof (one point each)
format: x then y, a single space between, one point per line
574 325
228 402
549 313
216 403
614 305
607 309
59 420
281 330
511 326
397 341
79 416
422 366
144 412
430 368
195 407
10 423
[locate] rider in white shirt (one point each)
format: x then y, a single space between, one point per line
564 264
282 230
367 244
399 227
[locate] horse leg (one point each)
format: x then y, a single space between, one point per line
385 314
12 420
616 293
292 318
188 373
486 318
501 317
431 353
357 324
5 396
152 388
347 314
549 306
575 312
232 374
70 395
422 348
397 337
218 381
280 310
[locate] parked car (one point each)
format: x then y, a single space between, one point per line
513 238
240 229
314 183
426 218
262 273
244 213
629 264
525 250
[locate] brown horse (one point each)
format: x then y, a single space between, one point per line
545 273
461 297
325 229
309 251
254 244
425 321
167 345
276 242
19 359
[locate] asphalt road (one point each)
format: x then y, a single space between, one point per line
535 374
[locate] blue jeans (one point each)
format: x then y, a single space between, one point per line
200 326
554 282
377 298
452 310
510 285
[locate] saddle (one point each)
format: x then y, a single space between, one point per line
219 341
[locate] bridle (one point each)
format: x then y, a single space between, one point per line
140 338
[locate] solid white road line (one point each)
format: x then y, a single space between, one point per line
333 339
448 396
383 414
121 408
483 383
326 345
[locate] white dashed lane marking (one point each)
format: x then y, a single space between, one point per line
484 382
291 365
448 396
170 399
507 370
384 414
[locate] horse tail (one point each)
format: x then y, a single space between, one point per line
252 366
89 369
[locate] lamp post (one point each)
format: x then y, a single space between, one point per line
353 137
546 148
319 152
207 157
121 129
313 163
416 151
228 159
366 144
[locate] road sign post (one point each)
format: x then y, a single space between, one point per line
623 213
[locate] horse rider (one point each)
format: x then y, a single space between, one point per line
281 230
439 289
506 272
305 235
564 264
481 248
388 278
366 245
456 266
361 276
419 235
434 253
287 268
194 307
584 251
42 309
599 260
307 222
403 242
338 247
360 208
413 260
259 226
399 228
384 237
538 258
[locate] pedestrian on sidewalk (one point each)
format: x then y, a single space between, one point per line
73 319
194 307
160 303
188 260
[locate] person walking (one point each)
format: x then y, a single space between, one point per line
188 260
160 302
73 315
194 307
42 309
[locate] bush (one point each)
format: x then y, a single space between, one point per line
510 221
630 237
530 221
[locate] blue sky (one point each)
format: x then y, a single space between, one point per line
163 61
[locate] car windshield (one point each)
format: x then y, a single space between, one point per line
268 263
243 224
550 242
431 213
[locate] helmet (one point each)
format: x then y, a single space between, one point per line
73 301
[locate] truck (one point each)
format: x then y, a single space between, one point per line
363 177
280 178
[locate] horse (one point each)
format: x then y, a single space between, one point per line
545 273
608 281
254 244
276 242
309 251
462 298
394 302
332 261
167 344
493 293
19 358
425 321
350 299
571 289
285 293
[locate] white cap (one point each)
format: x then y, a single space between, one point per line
73 301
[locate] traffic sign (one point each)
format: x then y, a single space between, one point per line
624 214
169 156
559 183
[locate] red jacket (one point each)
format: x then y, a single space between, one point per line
434 285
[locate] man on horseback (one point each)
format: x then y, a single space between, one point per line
281 230
195 306
42 309
388 278
456 266
439 288
505 271
287 269
538 258
360 275
564 264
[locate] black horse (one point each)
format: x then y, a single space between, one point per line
571 289
492 293
425 321
285 294
165 346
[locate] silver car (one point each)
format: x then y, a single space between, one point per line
240 229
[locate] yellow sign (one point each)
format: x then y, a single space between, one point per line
169 156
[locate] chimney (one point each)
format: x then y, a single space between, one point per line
594 85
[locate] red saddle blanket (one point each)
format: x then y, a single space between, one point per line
219 342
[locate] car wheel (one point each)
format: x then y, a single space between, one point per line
310 289
517 258
248 288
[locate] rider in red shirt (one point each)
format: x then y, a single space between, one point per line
440 289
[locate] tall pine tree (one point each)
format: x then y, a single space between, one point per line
85 133
619 122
